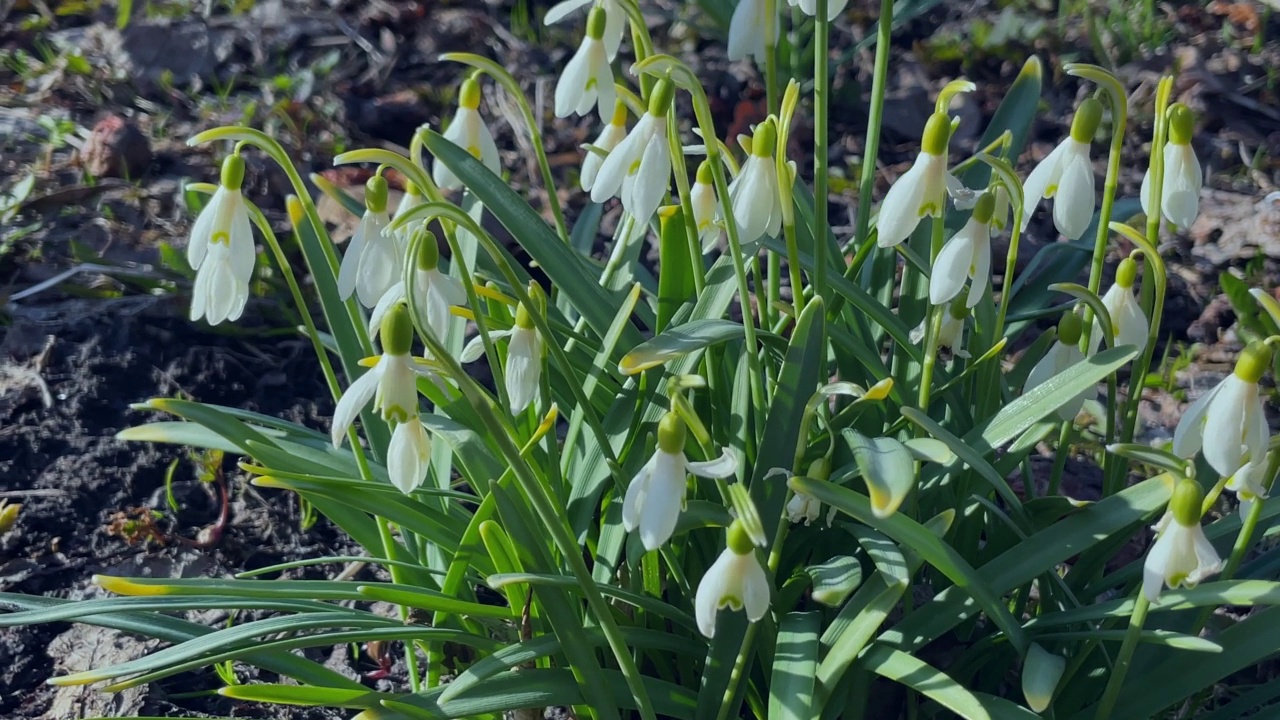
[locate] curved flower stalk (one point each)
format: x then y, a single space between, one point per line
615 22
951 330
1066 174
523 371
1181 556
656 495
639 169
375 258
221 250
966 256
920 191
810 7
747 30
1228 422
1129 325
754 193
436 292
702 196
392 384
588 78
469 132
1183 178
612 134
1064 355
736 580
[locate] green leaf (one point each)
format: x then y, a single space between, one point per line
887 467
1015 114
680 340
426 599
939 687
851 630
795 665
675 281
835 579
308 695
1155 457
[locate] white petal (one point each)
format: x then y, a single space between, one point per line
980 273
754 198
561 10
900 212
652 178
381 263
202 229
488 148
602 75
200 294
1224 425
951 268
1189 434
1208 562
1074 202
349 272
637 492
572 85
1180 201
1257 432
1144 193
475 346
1131 325
722 467
746 29
354 399
663 501
408 455
455 133
755 588
615 27
617 165
1046 368
524 368
608 139
1153 568
711 589
1043 181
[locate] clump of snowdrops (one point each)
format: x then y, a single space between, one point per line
828 508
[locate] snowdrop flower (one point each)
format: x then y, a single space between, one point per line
810 7
221 250
1181 556
392 383
920 191
1247 482
588 79
803 507
639 168
523 371
612 134
655 496
736 580
434 292
747 30
1180 189
1064 355
468 131
1128 323
1066 174
615 23
753 195
411 199
705 206
1228 422
951 332
966 256
374 259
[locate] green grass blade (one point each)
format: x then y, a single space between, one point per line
795 665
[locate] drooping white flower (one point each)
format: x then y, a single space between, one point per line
702 196
920 191
434 292
469 132
656 495
736 580
411 199
966 256
1228 422
523 370
1062 356
810 7
1066 175
639 168
588 79
374 260
951 330
615 25
1183 178
803 508
1248 483
392 384
1181 556
1128 323
754 193
221 250
747 31
613 133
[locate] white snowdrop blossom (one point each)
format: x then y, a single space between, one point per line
754 193
1128 323
966 256
639 169
951 330
434 292
221 250
656 495
1248 482
587 79
1228 422
411 199
1066 175
1181 556
810 7
702 196
392 384
374 260
1062 356
613 133
736 580
920 191
1183 178
803 508
523 370
747 31
615 23
469 132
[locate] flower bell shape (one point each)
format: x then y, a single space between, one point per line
702 196
1128 323
1181 556
639 168
392 383
803 507
613 133
754 194
374 260
950 332
1183 178
468 131
736 580
1064 355
966 256
615 23
656 494
1066 175
221 250
1228 422
588 79
747 30
523 371
1248 482
434 292
810 7
920 191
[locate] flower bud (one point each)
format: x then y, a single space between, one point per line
937 134
233 171
738 540
984 208
959 308
375 194
1088 117
765 139
671 433
1127 273
524 320
1069 328
595 23
428 251
1181 124
705 174
469 93
1253 361
1186 502
661 97
397 331
820 469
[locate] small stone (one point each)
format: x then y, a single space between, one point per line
117 148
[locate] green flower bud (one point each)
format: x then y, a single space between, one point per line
671 433
820 469
937 134
985 208
1253 361
1069 328
595 23
959 308
738 539
524 320
661 97
1127 273
397 331
1186 502
410 190
233 171
765 139
1088 117
428 251
705 174
375 194
469 93
1181 124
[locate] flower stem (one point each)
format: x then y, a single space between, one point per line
1059 458
934 326
821 99
1125 657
